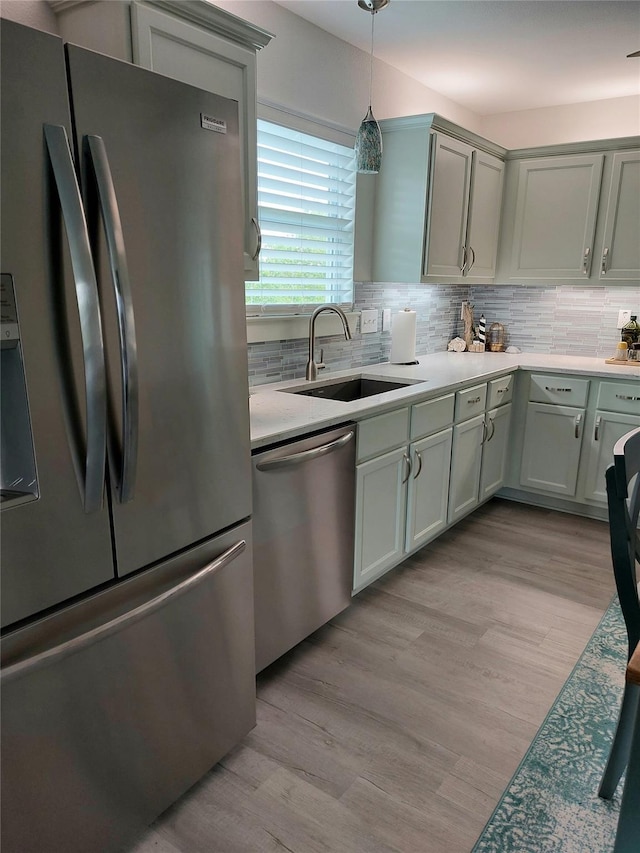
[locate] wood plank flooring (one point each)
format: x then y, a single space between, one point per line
396 727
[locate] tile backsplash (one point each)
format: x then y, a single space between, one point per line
557 319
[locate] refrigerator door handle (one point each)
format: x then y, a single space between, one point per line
124 307
101 632
88 309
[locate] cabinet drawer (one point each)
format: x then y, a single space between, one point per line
619 397
566 390
431 416
382 433
470 402
500 391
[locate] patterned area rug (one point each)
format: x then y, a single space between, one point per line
551 804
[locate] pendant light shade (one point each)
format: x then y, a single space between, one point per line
369 145
369 137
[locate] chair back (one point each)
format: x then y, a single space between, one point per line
623 499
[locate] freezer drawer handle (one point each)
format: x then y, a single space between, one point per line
124 308
88 309
81 642
304 455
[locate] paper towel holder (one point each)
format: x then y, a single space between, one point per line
400 361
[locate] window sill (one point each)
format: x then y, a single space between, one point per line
292 327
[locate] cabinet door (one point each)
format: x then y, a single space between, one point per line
555 217
380 514
178 49
494 451
466 458
607 429
449 183
551 452
485 204
621 244
428 492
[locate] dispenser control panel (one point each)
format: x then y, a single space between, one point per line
9 332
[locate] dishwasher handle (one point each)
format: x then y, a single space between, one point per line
304 455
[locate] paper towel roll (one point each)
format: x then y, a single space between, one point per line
403 337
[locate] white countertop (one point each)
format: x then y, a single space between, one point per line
278 416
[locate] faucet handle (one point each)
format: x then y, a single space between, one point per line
320 365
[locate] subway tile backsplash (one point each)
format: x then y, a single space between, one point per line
557 319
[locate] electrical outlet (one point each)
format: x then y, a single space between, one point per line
386 319
369 321
624 316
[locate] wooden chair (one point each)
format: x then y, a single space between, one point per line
623 497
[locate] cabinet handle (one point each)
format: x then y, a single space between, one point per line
596 434
256 225
626 397
605 261
558 390
586 261
408 462
463 268
493 429
419 458
473 258
578 421
484 432
474 400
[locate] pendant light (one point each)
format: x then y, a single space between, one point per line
369 137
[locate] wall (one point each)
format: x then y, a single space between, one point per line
569 123
32 13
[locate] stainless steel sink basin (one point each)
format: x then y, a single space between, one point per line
347 390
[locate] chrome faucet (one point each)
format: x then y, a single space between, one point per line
312 367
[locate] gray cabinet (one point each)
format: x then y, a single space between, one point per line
619 259
191 41
402 492
494 451
438 202
572 218
552 444
465 468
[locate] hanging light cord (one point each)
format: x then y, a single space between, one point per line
371 60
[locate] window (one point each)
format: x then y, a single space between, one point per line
306 205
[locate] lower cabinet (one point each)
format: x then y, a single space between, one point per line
465 468
428 489
566 449
418 473
495 451
381 495
478 460
552 444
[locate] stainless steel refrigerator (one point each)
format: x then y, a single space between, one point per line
127 601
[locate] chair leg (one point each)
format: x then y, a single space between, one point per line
628 832
619 755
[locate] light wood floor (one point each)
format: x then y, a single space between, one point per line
397 726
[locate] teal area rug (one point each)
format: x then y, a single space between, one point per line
551 804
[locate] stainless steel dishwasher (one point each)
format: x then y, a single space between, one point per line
303 525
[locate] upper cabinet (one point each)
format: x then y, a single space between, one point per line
572 218
438 202
191 41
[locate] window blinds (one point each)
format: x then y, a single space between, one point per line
306 205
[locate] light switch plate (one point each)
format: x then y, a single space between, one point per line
624 316
369 321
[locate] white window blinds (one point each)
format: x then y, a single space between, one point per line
306 205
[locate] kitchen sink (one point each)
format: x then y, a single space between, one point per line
347 390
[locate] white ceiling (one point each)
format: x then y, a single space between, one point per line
495 56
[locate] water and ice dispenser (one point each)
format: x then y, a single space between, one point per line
18 481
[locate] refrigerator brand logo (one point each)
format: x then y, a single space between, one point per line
211 123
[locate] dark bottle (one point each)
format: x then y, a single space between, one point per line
631 332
